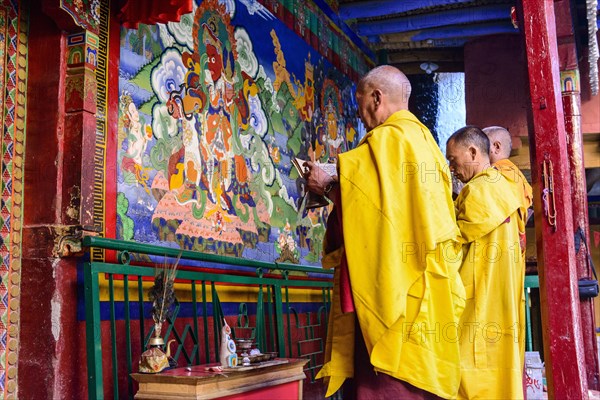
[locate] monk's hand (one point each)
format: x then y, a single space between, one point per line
316 178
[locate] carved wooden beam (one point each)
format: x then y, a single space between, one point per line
434 20
453 31
437 56
368 9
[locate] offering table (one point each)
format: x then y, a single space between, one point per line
280 378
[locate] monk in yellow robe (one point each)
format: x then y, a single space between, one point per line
489 216
500 148
398 297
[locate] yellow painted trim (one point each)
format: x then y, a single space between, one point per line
227 292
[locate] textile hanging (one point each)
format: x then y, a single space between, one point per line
134 12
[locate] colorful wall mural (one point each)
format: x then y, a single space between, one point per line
211 110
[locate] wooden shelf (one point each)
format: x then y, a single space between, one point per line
279 378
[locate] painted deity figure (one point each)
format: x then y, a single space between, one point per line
216 143
282 76
191 159
305 99
333 137
188 172
286 245
137 136
211 105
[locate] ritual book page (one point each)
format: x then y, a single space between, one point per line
313 200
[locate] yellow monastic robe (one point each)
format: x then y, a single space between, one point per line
492 326
514 174
403 257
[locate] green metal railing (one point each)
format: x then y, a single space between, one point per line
120 289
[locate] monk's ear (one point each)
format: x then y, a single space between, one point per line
496 146
377 95
473 151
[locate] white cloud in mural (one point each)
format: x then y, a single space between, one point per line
246 141
254 7
263 74
258 118
261 161
229 6
163 124
283 193
168 75
182 30
165 36
245 50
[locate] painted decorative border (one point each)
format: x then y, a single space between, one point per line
14 74
99 209
569 81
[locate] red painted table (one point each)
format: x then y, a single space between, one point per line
277 379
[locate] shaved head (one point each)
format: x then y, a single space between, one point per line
500 142
471 135
380 93
467 152
391 81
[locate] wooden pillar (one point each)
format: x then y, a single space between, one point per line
563 342
572 106
46 355
61 119
571 98
80 116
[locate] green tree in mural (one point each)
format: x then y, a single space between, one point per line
126 222
316 236
288 120
140 40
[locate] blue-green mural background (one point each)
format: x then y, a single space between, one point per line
211 110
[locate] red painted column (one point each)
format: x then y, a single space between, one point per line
563 343
46 353
61 110
571 98
571 106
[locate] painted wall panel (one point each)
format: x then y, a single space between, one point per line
211 110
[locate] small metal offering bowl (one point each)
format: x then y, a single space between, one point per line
244 344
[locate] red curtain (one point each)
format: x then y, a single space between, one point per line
134 12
